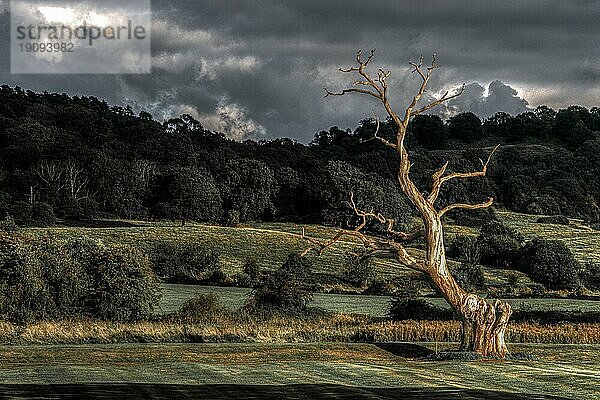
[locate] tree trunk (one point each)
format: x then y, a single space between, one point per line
483 324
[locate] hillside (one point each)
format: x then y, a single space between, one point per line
270 243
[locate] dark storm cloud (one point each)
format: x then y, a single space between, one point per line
257 68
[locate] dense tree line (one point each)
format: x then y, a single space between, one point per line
78 157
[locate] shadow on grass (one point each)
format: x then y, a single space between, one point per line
406 350
257 392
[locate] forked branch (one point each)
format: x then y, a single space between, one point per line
375 135
439 178
376 246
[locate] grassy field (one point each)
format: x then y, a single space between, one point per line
375 306
270 243
583 241
294 371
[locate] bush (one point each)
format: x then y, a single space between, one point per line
21 211
24 295
70 209
358 271
469 276
499 244
549 262
125 286
381 287
200 307
251 274
186 262
232 218
50 279
8 225
589 276
513 282
42 215
474 218
464 248
554 219
67 276
404 308
289 288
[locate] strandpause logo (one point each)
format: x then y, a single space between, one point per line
80 37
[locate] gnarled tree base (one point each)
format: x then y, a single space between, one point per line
484 326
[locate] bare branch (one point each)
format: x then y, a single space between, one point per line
319 246
439 178
464 206
425 80
389 222
375 137
445 97
375 246
351 90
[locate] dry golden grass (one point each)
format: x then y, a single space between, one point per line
279 329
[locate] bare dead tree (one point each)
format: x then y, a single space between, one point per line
483 324
76 180
144 171
50 175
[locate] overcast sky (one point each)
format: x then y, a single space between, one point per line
256 68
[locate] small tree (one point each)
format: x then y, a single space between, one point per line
289 288
359 270
484 324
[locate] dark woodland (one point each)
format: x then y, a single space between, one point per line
68 158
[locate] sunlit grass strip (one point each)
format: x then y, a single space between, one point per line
279 329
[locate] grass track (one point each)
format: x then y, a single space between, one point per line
290 371
376 306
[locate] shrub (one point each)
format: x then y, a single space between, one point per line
200 307
358 271
8 225
66 275
251 274
381 287
474 218
289 288
554 219
125 286
469 276
24 295
42 215
589 276
51 279
21 212
185 262
403 308
513 282
464 248
499 244
70 209
549 262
